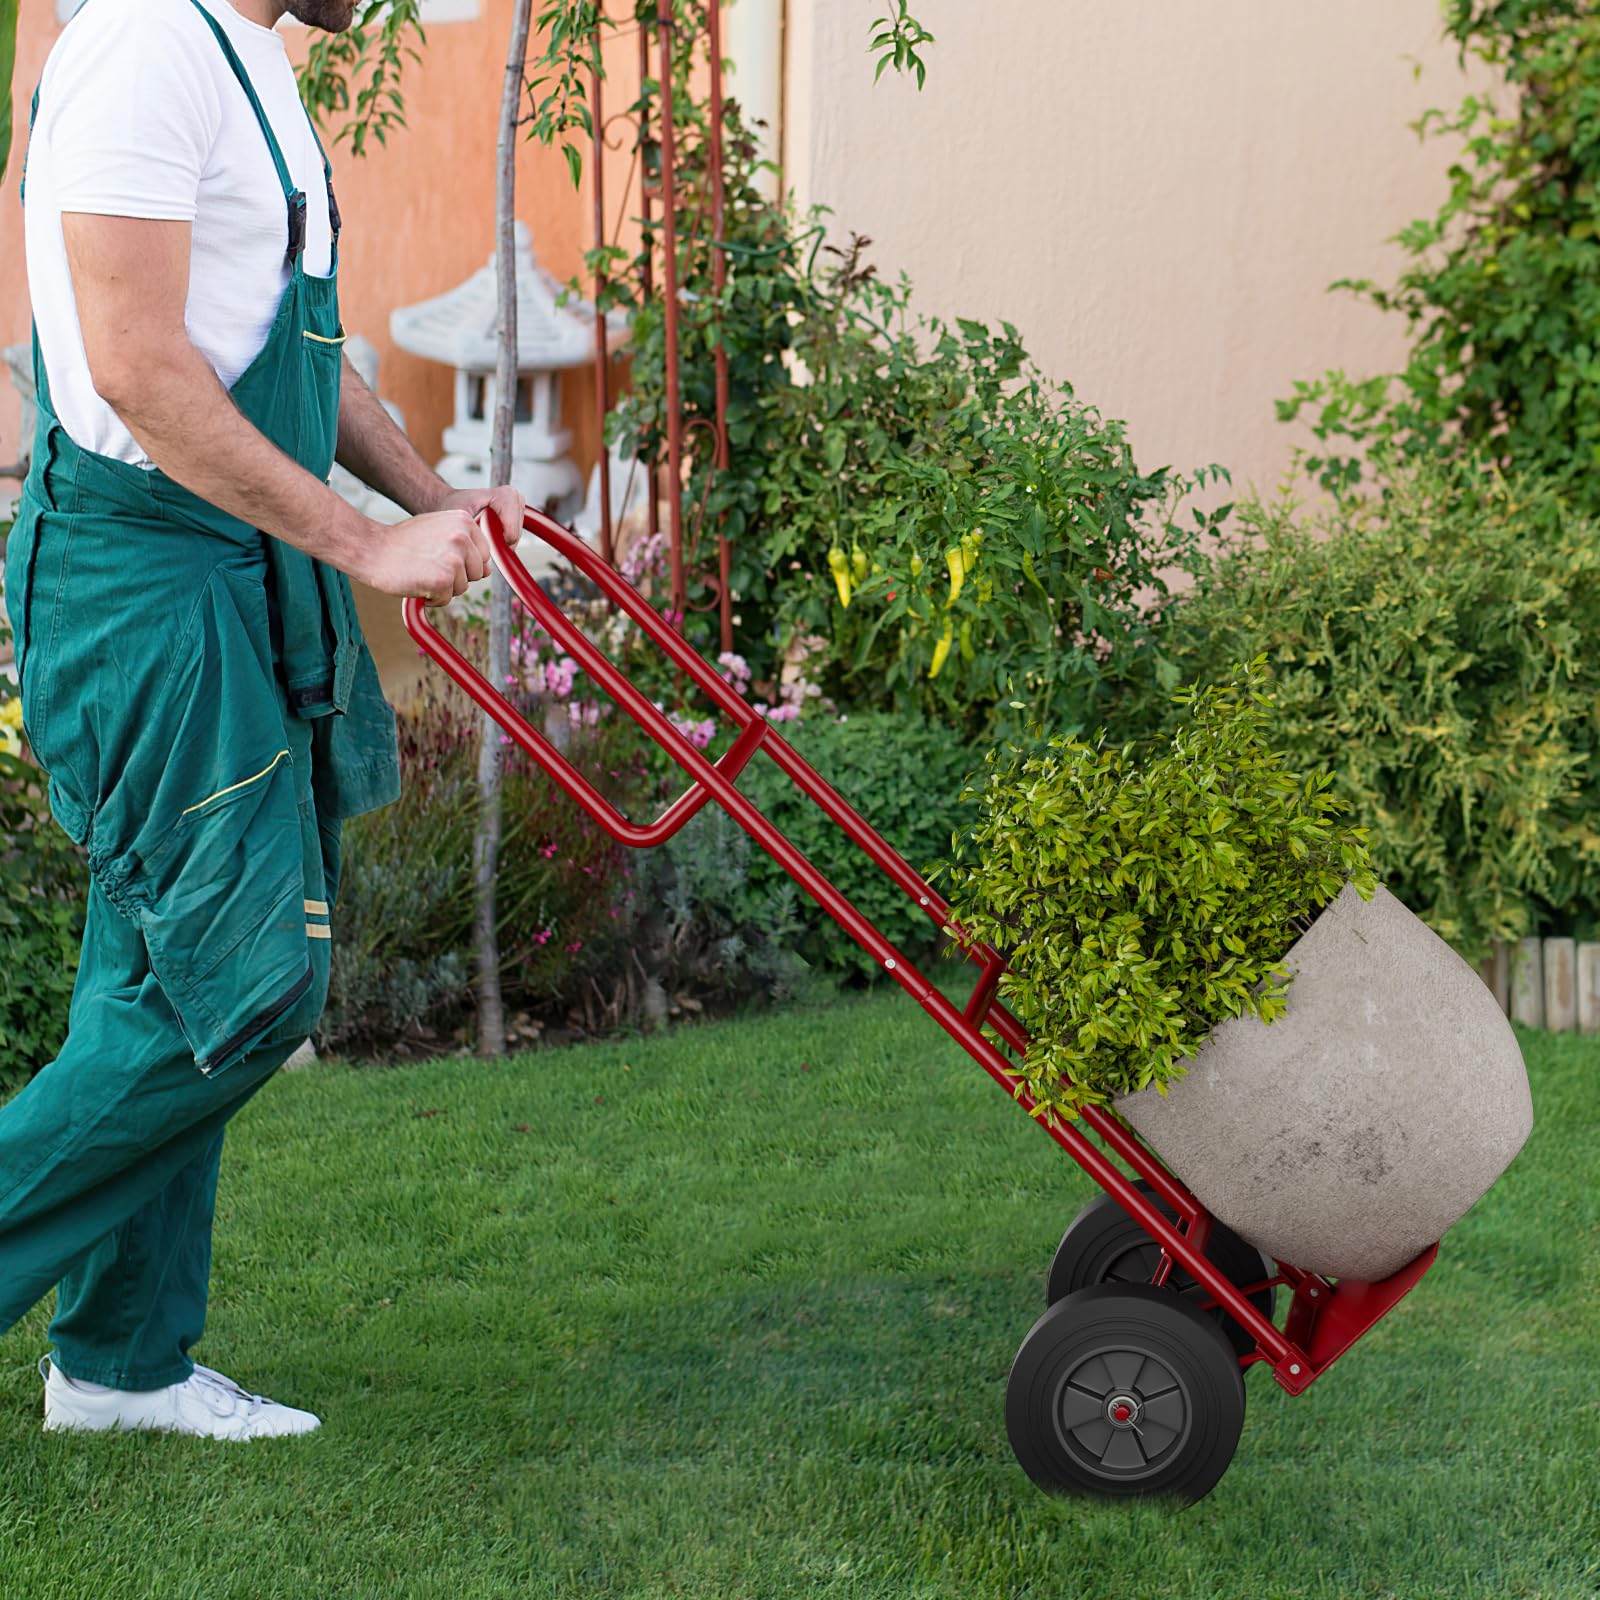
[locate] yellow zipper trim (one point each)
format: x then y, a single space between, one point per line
242 783
306 333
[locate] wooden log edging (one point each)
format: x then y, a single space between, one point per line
1549 983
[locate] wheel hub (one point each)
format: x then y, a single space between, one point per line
1122 1412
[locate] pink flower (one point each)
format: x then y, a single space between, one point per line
735 671
558 676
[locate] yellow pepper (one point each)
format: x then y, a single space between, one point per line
916 566
839 565
858 564
942 649
969 550
958 572
966 640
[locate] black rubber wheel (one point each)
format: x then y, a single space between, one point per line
1123 1390
1105 1245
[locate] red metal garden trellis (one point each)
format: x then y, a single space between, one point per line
665 189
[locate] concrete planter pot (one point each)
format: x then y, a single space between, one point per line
1348 1135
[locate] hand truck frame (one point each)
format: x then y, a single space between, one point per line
1325 1317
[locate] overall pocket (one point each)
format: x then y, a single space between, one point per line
221 907
198 830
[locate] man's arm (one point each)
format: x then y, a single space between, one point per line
381 456
131 280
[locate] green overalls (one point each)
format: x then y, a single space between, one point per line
207 710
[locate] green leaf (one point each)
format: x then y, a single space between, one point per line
8 61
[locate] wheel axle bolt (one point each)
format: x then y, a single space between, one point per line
1122 1409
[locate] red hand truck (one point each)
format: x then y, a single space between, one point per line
1131 1383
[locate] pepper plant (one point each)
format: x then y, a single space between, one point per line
975 540
1142 895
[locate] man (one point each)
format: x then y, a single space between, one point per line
193 676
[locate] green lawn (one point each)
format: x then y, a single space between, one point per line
729 1313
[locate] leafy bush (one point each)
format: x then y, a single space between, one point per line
1435 651
402 963
1502 293
44 885
1142 897
964 532
903 775
704 921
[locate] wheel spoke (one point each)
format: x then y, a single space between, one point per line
1123 1366
1165 1411
1155 1436
1094 1376
1154 1378
1123 1452
1134 1266
1094 1436
1078 1407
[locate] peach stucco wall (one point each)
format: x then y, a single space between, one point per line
1156 193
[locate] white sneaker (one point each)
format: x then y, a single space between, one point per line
206 1405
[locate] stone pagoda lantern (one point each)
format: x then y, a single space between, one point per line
458 328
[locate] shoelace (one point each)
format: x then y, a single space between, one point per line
226 1390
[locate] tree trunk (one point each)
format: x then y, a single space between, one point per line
486 844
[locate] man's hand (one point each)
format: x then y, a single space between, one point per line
506 502
432 557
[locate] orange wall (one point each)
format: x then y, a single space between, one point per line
419 213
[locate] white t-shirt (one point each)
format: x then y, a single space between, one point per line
140 115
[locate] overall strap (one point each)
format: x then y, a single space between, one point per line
33 117
334 221
295 198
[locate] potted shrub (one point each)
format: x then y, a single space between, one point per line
1195 936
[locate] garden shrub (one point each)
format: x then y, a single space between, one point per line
903 774
1141 896
707 926
44 886
402 964
968 535
1435 650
